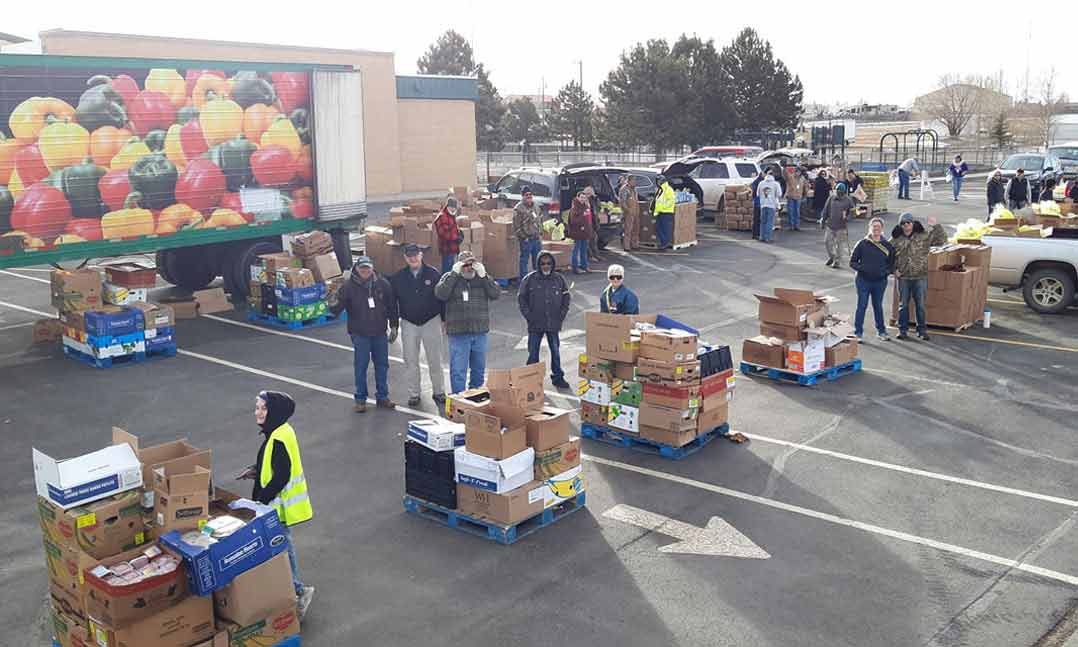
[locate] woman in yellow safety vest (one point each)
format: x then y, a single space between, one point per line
665 204
278 475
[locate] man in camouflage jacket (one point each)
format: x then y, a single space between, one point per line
912 244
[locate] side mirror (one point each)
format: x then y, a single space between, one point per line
1047 169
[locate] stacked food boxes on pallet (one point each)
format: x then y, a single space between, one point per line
294 288
877 187
957 287
106 323
799 334
738 199
503 457
648 376
139 553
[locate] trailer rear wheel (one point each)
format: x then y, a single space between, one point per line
163 258
236 266
191 267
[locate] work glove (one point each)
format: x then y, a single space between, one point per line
393 334
480 271
458 267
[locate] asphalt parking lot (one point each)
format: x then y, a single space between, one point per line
929 500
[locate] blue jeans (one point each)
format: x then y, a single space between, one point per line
956 185
793 209
664 228
916 289
869 289
469 351
447 263
366 349
903 185
755 217
767 223
296 583
579 259
554 343
529 249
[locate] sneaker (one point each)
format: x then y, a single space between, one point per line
360 407
560 383
860 338
303 601
903 337
413 401
438 398
830 263
386 404
922 336
884 337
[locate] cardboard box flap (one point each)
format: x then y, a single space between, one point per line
795 297
183 482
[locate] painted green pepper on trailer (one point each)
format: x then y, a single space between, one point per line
225 156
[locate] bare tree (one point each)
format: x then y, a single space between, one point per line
955 102
1050 104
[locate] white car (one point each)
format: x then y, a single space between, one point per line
713 175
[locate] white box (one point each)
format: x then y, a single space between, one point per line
493 475
439 435
105 352
563 487
831 335
86 478
594 392
624 417
119 295
806 357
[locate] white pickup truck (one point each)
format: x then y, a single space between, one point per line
1046 269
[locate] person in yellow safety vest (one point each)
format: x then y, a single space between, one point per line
278 476
665 203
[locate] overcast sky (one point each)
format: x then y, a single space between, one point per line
843 51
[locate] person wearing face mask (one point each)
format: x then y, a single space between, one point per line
580 232
912 245
526 221
422 321
467 291
996 190
873 259
448 233
372 307
278 476
544 302
616 298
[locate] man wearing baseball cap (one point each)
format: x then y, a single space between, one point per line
616 298
422 319
526 227
372 307
912 244
467 291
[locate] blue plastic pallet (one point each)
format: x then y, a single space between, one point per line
636 443
289 642
122 360
828 374
323 320
490 530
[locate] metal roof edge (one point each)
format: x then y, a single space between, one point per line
64 60
308 48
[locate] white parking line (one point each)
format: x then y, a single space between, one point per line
842 521
28 278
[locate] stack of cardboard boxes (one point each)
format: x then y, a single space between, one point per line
517 457
136 549
957 286
799 334
877 187
648 376
738 200
296 286
414 224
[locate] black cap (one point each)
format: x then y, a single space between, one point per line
411 249
525 190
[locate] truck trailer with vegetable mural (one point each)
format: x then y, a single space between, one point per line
206 164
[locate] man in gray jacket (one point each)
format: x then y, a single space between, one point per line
467 292
836 216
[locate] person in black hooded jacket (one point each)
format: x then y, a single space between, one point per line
543 298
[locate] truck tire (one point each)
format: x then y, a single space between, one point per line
236 266
1048 290
162 259
191 268
343 248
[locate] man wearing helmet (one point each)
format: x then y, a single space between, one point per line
836 215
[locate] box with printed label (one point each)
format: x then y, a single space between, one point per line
100 528
75 289
594 392
595 368
67 587
220 639
312 243
300 296
521 387
181 489
278 261
117 604
672 395
275 629
712 417
548 428
659 417
184 623
293 278
209 568
624 417
628 393
656 372
301 313
181 512
439 435
80 480
611 336
563 487
126 347
155 315
554 461
785 333
673 346
68 631
806 357
121 295
593 413
458 404
111 321
673 438
493 437
506 508
131 275
625 371
497 476
257 593
764 351
717 389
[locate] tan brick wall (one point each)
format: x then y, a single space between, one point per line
437 143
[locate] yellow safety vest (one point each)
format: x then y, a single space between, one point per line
292 503
665 200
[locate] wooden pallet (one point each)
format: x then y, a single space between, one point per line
634 442
491 530
678 246
957 329
780 375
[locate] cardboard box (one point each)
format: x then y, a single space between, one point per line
212 567
520 387
180 625
806 357
105 321
80 480
274 629
257 593
74 290
659 417
182 512
842 353
672 346
627 393
594 368
439 435
490 436
458 404
507 508
155 315
593 413
712 417
547 428
312 243
656 372
294 278
789 307
211 301
610 336
497 476
300 296
556 460
764 351
104 352
624 417
323 267
118 606
624 371
131 275
100 528
673 438
562 487
182 308
831 332
673 396
120 295
278 261
220 639
594 392
785 333
717 389
47 331
179 455
68 631
67 587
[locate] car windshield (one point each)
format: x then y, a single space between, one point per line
1067 153
1026 162
542 186
746 170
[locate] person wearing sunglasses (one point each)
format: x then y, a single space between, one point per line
544 302
616 298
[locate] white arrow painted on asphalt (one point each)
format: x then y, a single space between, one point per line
718 539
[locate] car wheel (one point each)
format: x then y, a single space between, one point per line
1048 291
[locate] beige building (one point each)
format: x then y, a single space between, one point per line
419 131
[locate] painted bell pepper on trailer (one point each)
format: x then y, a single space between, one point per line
186 114
305 165
248 88
282 133
30 166
84 228
80 184
155 140
100 105
127 87
32 115
154 177
63 143
209 87
150 110
234 202
273 166
169 83
192 76
233 157
106 141
192 140
220 120
293 89
114 187
41 211
301 120
8 148
257 119
201 184
7 203
132 151
178 216
128 222
224 218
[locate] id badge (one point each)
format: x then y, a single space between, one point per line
370 302
464 296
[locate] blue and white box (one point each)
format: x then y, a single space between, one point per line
439 435
87 478
102 324
301 296
493 475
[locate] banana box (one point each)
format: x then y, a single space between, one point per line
623 417
121 295
563 487
594 392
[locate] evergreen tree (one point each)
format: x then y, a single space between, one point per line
763 93
571 115
452 55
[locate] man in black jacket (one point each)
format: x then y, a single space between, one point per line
1018 192
544 301
371 306
422 322
996 190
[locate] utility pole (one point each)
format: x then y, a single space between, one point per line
581 61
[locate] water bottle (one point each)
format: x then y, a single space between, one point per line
987 317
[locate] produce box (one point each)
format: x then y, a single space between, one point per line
300 296
131 275
303 312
